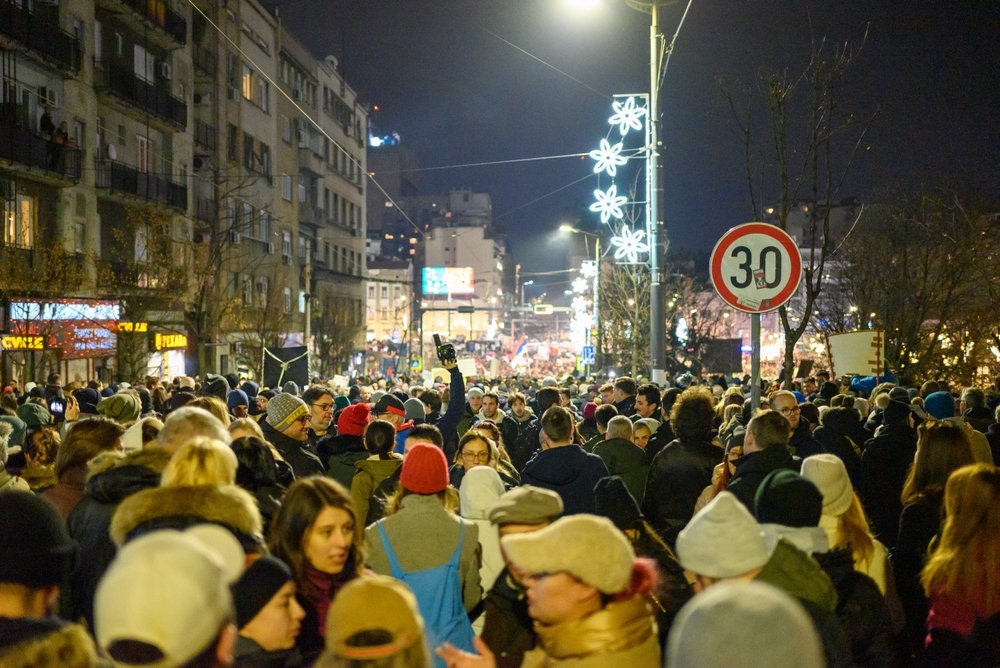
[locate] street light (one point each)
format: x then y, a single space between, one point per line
567 228
523 286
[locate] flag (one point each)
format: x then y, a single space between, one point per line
519 347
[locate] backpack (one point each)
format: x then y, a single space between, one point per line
439 597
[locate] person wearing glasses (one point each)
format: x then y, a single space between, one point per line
477 449
319 399
286 427
800 438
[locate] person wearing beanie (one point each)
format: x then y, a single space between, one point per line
941 406
790 506
723 542
470 414
743 625
415 412
35 555
238 404
428 547
124 407
586 611
251 389
87 398
290 387
8 481
843 518
388 407
286 427
268 616
215 386
341 451
233 380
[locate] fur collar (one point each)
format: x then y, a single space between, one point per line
230 506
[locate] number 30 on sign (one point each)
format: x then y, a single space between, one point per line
756 267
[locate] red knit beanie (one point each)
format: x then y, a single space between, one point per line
353 419
425 469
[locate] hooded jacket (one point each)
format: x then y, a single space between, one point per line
677 477
90 521
478 492
369 474
843 435
622 633
341 453
626 459
26 642
884 464
569 471
183 506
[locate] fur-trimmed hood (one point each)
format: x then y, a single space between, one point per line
183 506
132 473
45 642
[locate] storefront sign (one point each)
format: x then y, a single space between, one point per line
17 342
137 327
169 341
77 329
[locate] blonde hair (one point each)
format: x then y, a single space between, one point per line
448 497
248 424
215 406
964 562
201 461
853 530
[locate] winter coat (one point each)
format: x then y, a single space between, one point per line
570 472
508 630
66 493
11 483
89 523
448 423
424 535
993 438
677 477
672 590
303 462
622 633
368 476
341 453
27 642
875 567
663 435
248 654
184 506
507 426
885 462
919 523
627 460
626 406
525 444
478 493
467 419
796 573
842 434
753 467
979 418
802 443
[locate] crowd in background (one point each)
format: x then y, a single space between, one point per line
527 521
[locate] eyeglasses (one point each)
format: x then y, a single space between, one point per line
483 456
304 418
790 410
324 407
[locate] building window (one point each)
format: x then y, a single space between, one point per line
286 187
19 222
371 292
232 145
286 243
286 130
80 236
247 289
286 305
384 292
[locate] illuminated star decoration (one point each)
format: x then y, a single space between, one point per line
627 116
609 203
580 286
608 158
629 244
588 269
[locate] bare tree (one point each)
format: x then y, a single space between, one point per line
800 141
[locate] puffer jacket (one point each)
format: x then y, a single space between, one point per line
622 633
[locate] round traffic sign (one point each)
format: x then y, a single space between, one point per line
756 267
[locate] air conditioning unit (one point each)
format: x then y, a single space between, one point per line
235 237
287 259
166 71
296 94
270 248
203 98
200 162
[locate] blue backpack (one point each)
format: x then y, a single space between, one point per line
439 596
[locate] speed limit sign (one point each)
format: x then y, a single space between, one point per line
756 267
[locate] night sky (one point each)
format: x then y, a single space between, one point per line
446 81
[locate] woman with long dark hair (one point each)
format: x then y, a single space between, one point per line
318 534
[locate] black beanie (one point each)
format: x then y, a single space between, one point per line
35 549
613 500
215 386
257 586
786 498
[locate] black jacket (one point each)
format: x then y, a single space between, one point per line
677 477
507 628
842 434
525 444
802 442
448 423
303 462
753 467
663 435
919 523
884 464
571 472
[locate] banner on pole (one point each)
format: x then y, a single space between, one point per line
861 353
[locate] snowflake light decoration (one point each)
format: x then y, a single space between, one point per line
609 204
627 116
580 305
629 244
589 270
586 320
608 158
580 285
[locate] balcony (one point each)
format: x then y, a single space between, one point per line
153 13
57 165
206 135
205 209
41 37
121 178
309 214
311 161
205 61
123 83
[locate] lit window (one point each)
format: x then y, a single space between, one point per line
19 223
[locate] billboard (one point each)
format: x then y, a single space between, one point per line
448 281
77 329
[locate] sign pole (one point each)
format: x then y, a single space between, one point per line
755 362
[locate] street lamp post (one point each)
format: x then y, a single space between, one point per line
565 227
523 286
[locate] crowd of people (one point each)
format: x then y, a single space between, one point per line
524 522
